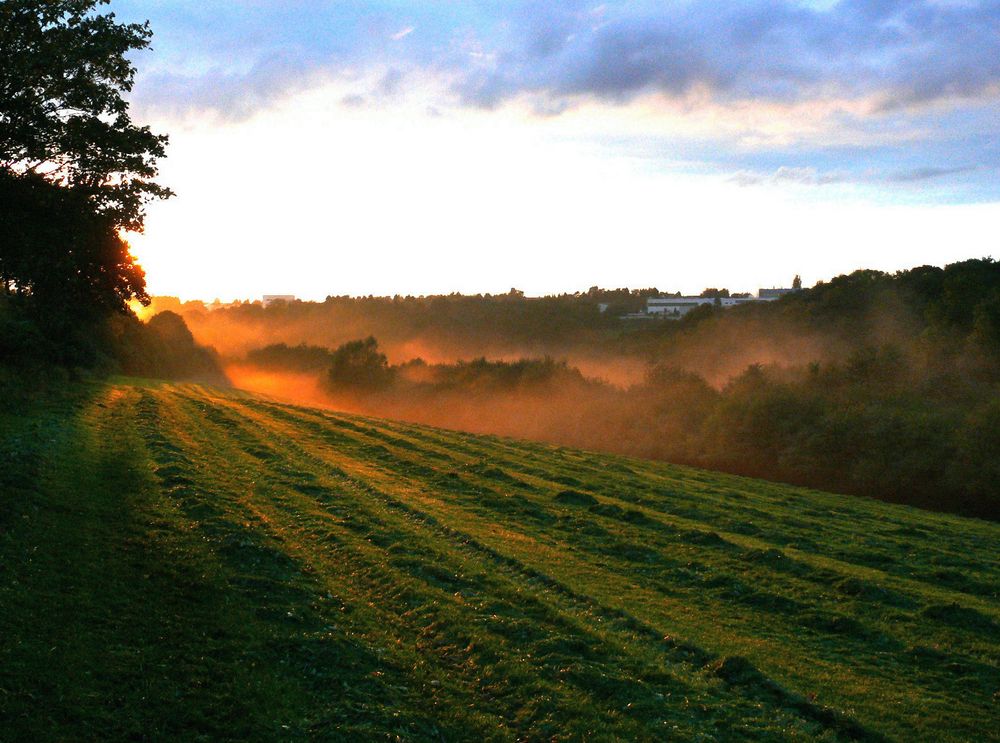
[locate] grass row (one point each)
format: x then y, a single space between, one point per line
180 562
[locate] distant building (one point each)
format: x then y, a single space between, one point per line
270 298
673 308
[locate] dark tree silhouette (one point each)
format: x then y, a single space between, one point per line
74 169
359 364
63 72
58 253
714 293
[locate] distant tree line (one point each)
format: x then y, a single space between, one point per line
442 325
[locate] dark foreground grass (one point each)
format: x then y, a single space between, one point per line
181 563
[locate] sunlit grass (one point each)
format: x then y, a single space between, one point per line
179 561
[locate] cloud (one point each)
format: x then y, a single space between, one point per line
902 52
927 173
868 177
805 176
226 93
917 79
390 83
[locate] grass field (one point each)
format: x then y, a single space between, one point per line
187 563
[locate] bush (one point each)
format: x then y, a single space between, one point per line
359 365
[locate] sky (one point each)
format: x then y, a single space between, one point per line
396 147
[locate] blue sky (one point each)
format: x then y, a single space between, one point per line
802 108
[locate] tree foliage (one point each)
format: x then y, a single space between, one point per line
66 259
359 364
63 73
75 172
164 347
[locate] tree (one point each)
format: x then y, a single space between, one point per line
63 72
63 259
75 170
359 365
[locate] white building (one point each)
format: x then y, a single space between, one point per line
671 308
270 298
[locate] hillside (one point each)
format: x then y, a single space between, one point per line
183 562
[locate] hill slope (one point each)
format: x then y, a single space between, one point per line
179 561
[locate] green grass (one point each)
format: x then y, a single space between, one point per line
185 563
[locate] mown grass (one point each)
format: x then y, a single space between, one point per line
180 562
